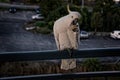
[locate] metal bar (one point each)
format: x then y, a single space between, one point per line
65 76
51 55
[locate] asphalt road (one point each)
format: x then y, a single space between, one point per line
19 6
13 37
99 42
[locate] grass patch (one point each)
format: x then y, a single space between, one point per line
40 27
43 30
47 67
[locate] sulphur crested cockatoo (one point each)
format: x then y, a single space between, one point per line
66 33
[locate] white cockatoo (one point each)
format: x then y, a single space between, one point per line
66 33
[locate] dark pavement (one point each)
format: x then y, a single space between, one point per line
19 6
99 42
13 37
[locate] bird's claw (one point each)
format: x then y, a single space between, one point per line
70 52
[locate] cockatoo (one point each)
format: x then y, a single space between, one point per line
66 34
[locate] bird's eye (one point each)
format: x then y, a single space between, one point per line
71 16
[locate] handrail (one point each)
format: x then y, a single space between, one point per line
51 55
65 76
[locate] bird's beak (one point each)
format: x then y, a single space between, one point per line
75 21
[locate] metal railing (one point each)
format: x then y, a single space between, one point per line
51 55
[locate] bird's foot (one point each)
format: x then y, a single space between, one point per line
70 51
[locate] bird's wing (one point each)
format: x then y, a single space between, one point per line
57 41
78 35
56 36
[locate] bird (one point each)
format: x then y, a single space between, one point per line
66 33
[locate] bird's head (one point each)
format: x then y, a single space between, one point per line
74 16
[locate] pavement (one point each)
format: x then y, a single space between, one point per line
99 42
13 37
5 16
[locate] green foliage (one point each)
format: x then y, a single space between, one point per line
54 15
49 5
51 10
60 12
40 23
92 64
110 14
77 2
54 9
4 0
115 21
42 27
57 13
50 25
105 15
43 30
96 21
104 5
34 1
86 19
